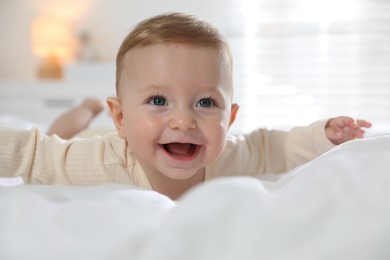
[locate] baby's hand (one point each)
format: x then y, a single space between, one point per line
341 129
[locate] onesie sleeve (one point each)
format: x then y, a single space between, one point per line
271 151
306 143
45 159
18 148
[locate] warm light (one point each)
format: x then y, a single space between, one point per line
52 41
51 36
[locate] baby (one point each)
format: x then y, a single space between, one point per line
172 112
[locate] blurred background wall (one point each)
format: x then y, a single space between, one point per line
107 22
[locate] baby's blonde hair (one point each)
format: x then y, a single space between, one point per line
172 28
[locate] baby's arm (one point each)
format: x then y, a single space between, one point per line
341 129
18 150
43 159
76 119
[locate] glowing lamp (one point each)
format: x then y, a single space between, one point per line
51 39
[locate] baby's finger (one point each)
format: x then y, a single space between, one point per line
363 123
348 122
359 133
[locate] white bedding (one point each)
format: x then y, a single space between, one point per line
335 207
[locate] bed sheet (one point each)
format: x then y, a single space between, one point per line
334 207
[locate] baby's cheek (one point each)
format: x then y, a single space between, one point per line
219 140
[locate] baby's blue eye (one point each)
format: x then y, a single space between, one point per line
158 101
206 102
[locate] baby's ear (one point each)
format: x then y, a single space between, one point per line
116 113
233 113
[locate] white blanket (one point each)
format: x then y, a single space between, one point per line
335 207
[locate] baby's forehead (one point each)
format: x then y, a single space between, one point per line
143 56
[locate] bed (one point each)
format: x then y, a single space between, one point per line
334 207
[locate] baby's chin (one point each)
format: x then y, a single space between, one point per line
183 175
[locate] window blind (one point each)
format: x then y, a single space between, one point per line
299 61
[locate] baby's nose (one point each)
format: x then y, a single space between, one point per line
182 120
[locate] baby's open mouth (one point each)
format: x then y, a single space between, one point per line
180 149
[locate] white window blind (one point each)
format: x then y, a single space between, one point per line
297 61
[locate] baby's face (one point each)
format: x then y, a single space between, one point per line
174 108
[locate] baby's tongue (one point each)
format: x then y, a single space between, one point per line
179 149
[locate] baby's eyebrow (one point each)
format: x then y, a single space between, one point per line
206 90
152 87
